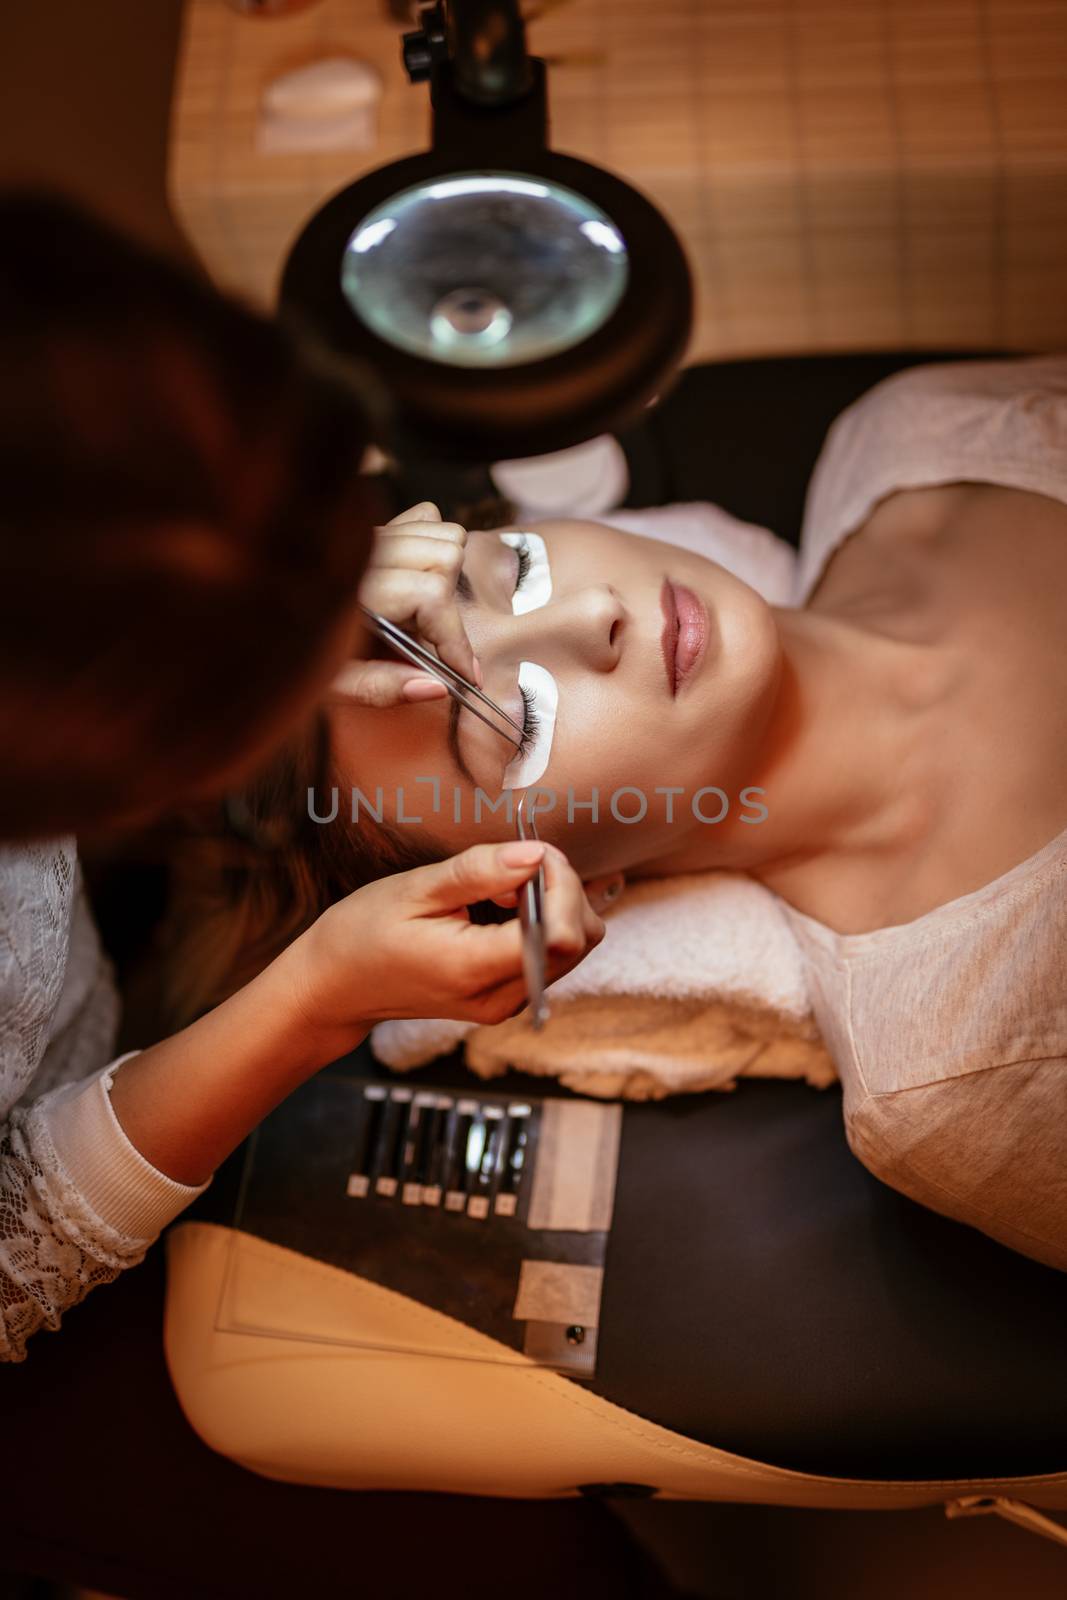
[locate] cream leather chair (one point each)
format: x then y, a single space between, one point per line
777 1327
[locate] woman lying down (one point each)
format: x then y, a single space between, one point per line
888 755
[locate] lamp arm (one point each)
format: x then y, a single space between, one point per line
487 44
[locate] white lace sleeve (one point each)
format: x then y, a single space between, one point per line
53 1250
77 1202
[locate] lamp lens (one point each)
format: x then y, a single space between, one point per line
485 269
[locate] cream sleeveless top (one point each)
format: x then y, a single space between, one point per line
950 1031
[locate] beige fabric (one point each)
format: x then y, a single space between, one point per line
332 1414
950 1032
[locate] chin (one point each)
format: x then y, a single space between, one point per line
743 683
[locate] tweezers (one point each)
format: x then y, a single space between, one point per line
532 922
532 894
456 684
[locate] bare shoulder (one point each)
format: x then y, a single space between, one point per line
890 549
964 529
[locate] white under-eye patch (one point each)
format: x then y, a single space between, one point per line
536 589
539 688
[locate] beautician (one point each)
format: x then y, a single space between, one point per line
183 535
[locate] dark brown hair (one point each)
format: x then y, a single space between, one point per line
241 894
183 524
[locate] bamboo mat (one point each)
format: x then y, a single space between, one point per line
845 174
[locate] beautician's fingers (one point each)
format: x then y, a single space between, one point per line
425 601
505 1001
486 957
419 544
602 893
425 511
415 542
419 541
383 684
481 872
572 927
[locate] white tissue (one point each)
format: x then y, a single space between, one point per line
330 105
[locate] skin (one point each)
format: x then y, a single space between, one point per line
618 723
908 725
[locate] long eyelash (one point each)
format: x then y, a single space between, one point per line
523 552
530 720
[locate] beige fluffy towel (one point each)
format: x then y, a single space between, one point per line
698 982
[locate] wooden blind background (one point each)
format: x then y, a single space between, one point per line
845 174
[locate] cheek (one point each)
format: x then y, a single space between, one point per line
595 850
599 842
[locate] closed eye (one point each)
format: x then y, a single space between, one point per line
530 720
522 551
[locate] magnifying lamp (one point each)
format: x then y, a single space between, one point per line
514 300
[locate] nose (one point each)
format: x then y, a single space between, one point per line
585 627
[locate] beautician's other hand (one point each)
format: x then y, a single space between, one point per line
405 946
603 894
411 580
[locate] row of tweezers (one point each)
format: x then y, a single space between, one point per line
433 1149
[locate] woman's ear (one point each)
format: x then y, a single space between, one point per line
603 893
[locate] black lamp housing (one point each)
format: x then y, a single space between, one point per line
490 117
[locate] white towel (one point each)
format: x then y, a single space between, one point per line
699 980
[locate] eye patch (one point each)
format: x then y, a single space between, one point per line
535 579
541 697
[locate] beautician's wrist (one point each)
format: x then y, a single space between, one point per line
296 975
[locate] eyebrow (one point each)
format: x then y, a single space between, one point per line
453 741
464 592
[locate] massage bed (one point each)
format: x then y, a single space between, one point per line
776 1325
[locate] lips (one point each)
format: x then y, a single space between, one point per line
685 632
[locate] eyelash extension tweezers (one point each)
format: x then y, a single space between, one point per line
456 684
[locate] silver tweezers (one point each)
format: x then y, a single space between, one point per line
531 896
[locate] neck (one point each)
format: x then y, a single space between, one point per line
845 763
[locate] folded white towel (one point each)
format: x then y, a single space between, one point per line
699 980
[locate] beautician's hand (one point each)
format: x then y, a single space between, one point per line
405 946
602 893
411 580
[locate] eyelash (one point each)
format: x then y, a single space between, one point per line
530 720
